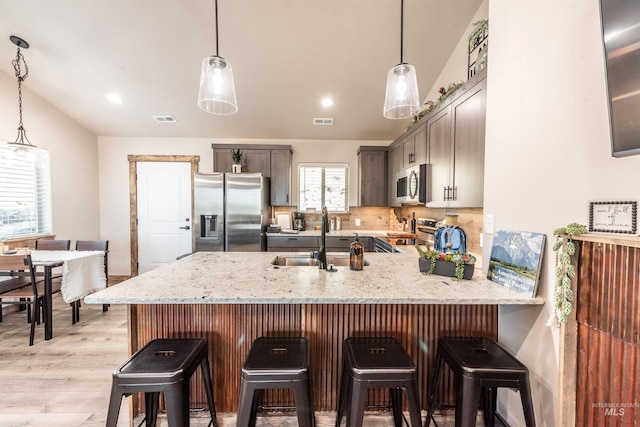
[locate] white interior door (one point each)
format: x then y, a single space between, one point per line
164 212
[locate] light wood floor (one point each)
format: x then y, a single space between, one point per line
66 381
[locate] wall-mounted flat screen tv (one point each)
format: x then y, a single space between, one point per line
621 37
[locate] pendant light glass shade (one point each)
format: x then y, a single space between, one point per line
401 99
217 94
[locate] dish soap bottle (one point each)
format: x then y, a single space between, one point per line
356 255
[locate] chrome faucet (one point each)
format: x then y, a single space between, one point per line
321 254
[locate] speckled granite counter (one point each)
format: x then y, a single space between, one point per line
231 298
249 278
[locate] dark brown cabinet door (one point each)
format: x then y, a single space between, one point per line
281 177
440 152
469 129
372 177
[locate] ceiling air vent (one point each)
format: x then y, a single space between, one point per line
323 122
165 119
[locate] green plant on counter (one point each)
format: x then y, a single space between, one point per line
460 260
565 270
236 155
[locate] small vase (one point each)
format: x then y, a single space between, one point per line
236 168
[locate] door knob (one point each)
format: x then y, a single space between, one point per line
186 227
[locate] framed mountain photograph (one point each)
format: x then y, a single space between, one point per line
516 258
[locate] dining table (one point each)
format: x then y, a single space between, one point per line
81 273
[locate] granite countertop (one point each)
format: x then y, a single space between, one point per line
249 278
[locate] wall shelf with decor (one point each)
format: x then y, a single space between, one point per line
478 48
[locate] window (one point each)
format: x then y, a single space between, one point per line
324 185
25 192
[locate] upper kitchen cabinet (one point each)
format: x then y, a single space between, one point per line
281 177
414 146
455 138
253 160
372 176
272 161
395 165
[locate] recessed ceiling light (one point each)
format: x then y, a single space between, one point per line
327 102
114 98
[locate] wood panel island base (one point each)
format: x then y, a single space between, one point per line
232 298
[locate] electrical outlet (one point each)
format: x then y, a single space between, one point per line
357 222
489 224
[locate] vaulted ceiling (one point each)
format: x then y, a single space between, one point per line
286 56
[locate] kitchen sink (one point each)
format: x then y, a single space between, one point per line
306 261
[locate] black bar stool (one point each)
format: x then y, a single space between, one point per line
276 362
377 362
479 366
163 365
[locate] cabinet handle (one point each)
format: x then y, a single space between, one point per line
450 193
293 238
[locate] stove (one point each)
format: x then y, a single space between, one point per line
425 229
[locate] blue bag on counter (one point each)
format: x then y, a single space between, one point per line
453 234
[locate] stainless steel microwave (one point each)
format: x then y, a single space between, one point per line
411 185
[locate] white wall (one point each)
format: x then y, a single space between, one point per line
547 121
456 68
73 154
547 154
114 176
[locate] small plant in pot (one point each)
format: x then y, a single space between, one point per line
456 265
236 155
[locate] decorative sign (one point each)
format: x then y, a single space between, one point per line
613 217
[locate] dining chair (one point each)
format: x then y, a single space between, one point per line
53 245
95 245
21 287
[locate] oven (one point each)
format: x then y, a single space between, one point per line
425 231
411 185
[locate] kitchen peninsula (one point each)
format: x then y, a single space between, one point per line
231 298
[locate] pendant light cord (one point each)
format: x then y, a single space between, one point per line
217 53
401 28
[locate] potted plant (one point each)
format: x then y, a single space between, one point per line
456 265
565 271
236 155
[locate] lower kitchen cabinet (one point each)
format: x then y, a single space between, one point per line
343 243
285 243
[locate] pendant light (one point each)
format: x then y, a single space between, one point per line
401 99
217 94
21 143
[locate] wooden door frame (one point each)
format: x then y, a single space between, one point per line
133 194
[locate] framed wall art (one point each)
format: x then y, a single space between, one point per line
613 217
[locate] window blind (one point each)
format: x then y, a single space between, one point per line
324 185
25 192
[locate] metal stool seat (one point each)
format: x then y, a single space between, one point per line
479 366
377 362
276 362
163 366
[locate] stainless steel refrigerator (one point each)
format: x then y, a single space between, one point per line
231 211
